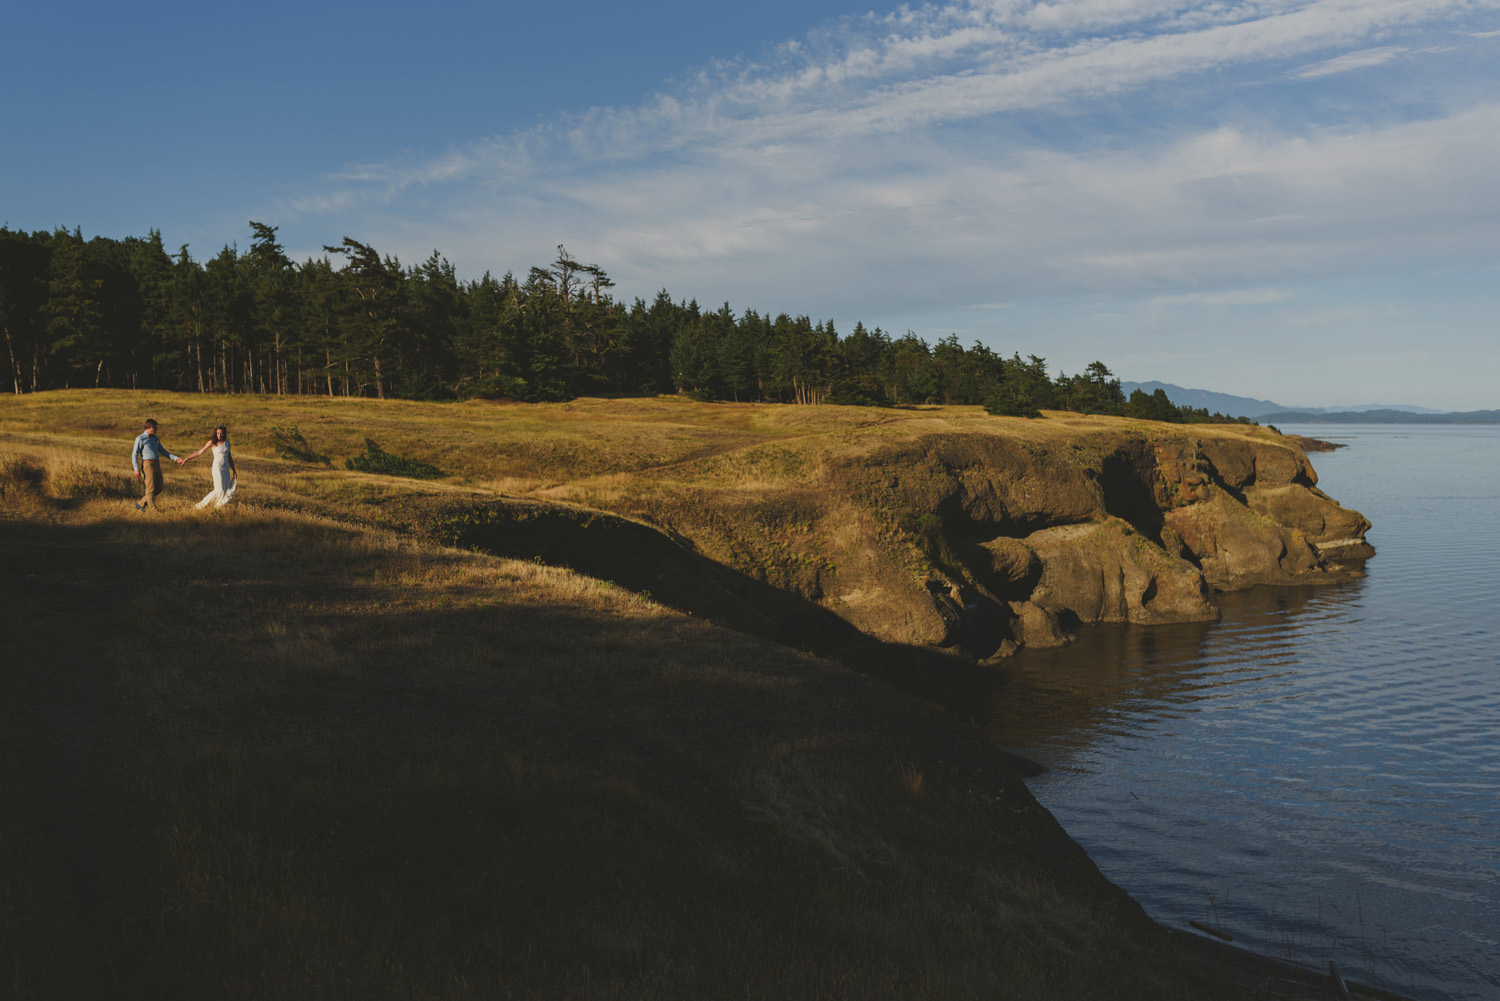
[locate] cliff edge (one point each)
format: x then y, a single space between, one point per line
948 528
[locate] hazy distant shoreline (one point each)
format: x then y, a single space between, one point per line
1381 417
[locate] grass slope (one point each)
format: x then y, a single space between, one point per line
287 752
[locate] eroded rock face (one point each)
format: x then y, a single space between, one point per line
1105 572
1013 568
1235 546
1240 463
1129 526
1036 626
1320 519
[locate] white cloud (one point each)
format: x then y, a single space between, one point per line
1351 61
882 223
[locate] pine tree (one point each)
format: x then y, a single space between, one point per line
74 313
272 288
24 275
372 312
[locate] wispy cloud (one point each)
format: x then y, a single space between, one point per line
992 152
1350 61
1234 297
934 66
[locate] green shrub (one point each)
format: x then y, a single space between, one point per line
499 387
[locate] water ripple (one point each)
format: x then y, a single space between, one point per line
1319 771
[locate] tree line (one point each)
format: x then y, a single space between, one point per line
126 313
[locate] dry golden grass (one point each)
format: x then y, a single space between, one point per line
760 488
543 447
281 751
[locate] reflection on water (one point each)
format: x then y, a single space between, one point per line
1319 772
1114 676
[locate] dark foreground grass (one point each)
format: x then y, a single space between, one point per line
265 755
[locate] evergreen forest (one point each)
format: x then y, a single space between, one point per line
126 313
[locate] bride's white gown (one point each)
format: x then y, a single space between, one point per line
224 484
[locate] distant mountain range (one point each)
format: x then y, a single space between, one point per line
1269 412
1214 403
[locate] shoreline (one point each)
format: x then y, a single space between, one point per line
1252 967
1259 972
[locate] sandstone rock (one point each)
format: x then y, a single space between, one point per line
1011 570
1277 464
1183 475
1238 547
1320 518
1233 461
1105 572
1038 627
896 614
1241 462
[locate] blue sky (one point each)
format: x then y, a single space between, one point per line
1288 199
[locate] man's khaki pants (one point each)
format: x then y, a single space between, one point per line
151 476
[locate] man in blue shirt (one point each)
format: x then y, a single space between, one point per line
145 459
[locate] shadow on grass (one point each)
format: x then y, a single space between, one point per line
316 765
650 563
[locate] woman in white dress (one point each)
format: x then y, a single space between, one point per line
226 478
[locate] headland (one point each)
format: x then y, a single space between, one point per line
547 724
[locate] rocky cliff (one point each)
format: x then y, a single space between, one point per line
1023 541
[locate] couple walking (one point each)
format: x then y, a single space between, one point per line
146 456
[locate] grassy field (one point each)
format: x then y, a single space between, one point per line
652 458
300 749
849 508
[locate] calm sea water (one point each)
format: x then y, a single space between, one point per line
1319 773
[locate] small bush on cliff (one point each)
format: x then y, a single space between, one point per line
377 460
927 531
